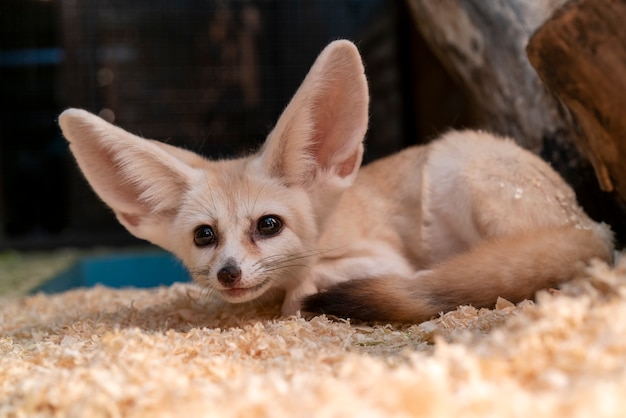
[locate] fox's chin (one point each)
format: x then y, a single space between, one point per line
244 294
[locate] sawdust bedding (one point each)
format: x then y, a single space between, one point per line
173 352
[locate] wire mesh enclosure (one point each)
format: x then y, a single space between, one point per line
208 75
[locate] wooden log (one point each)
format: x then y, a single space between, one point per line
580 54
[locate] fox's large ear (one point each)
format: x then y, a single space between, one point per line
320 134
139 179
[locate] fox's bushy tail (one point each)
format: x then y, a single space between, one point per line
513 267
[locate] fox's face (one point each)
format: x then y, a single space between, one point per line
240 232
241 226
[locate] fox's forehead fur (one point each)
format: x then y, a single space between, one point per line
231 194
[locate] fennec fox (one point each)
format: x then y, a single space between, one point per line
463 220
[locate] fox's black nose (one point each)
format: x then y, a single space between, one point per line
229 275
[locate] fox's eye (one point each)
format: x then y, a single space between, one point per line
269 225
204 236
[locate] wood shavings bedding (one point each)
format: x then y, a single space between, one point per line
172 352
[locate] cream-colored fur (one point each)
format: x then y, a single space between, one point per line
463 220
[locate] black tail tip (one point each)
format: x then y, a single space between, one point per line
341 301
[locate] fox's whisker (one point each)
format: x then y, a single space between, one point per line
284 267
281 257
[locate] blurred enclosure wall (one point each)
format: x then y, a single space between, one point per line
208 75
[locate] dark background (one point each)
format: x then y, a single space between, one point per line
212 76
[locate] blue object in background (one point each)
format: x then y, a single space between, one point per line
31 57
138 269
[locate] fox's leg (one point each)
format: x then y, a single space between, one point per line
294 296
478 187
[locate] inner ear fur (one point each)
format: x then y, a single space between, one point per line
323 126
142 181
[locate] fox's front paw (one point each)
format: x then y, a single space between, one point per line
290 307
294 297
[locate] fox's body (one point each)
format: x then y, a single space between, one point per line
463 220
475 217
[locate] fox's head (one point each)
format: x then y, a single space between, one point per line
244 225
